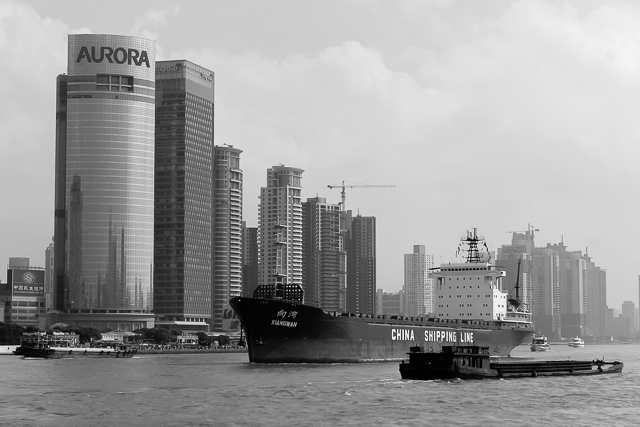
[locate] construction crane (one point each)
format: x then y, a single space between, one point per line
530 230
344 186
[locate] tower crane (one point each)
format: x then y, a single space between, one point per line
530 230
344 186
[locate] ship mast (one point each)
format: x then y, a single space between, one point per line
471 241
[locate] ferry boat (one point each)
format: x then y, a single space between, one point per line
475 362
539 343
471 307
576 342
46 351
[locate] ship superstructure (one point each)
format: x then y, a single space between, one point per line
472 289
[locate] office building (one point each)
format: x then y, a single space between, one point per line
418 287
280 229
18 262
517 260
104 183
22 298
227 242
324 258
389 303
629 312
183 271
360 244
48 275
249 260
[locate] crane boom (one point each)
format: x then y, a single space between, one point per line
344 186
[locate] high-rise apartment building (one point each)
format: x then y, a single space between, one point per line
280 228
324 258
360 244
596 296
183 270
418 287
545 306
227 230
104 183
569 293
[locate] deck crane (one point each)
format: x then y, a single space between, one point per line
344 186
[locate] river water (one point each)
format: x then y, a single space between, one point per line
226 390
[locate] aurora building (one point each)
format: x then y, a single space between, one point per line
104 183
183 271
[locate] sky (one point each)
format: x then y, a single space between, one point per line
496 115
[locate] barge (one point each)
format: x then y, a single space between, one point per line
475 362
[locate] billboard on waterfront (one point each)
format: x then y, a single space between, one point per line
26 282
230 320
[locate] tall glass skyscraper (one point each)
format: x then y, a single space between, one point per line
183 191
105 122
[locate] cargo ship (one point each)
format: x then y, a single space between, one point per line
470 308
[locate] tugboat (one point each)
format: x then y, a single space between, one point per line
474 362
576 342
472 308
539 343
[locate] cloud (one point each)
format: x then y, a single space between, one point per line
33 51
489 116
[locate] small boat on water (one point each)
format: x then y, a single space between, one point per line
8 350
576 342
474 362
46 351
539 343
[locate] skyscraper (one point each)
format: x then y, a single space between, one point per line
280 228
418 287
250 260
518 256
227 242
360 238
183 190
48 275
629 312
569 293
105 120
324 258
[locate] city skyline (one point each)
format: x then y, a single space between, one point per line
495 116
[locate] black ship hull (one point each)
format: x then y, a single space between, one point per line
283 332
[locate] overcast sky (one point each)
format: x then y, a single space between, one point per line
490 114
